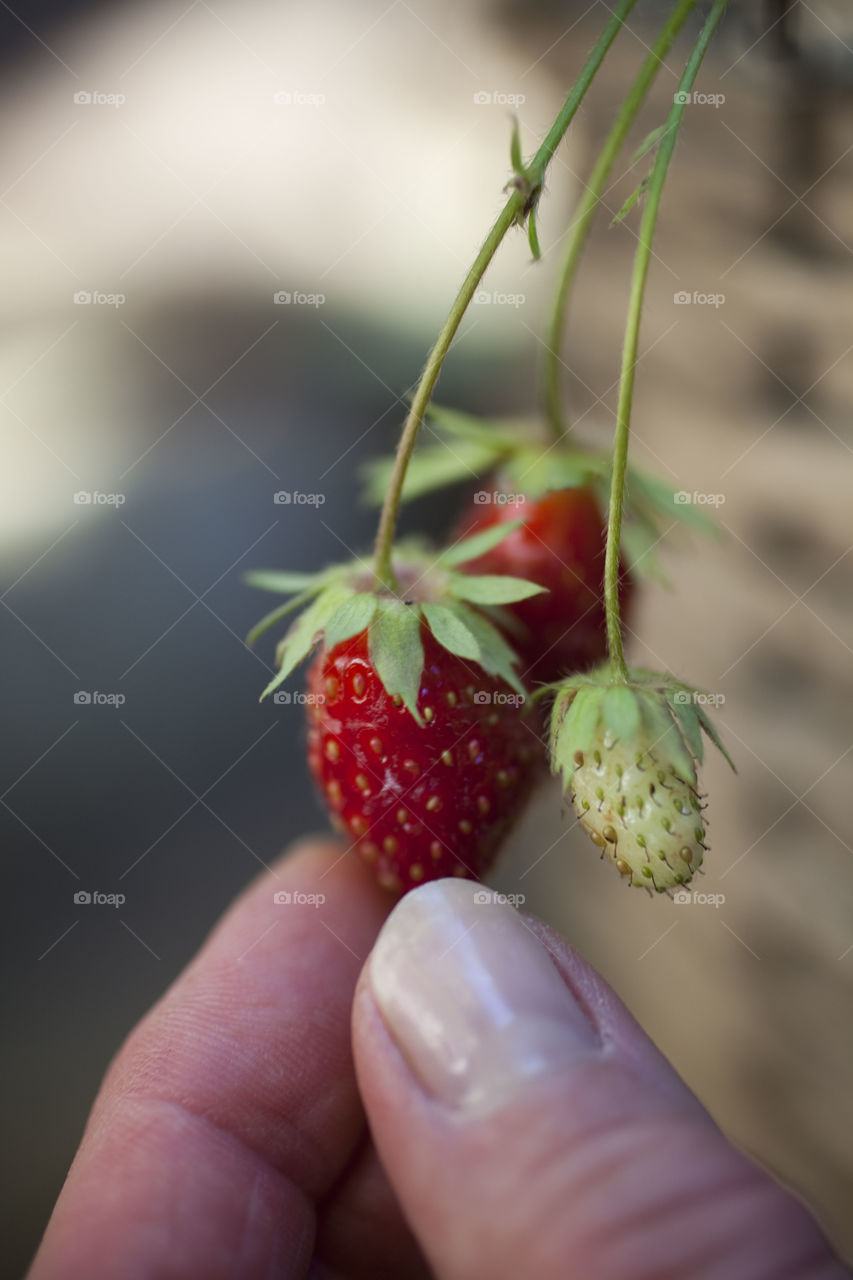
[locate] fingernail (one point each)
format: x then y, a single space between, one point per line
472 998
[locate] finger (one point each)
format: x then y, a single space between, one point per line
232 1108
529 1127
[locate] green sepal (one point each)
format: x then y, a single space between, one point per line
666 742
450 631
491 588
709 727
432 467
350 618
681 702
575 719
496 656
286 583
537 471
299 641
621 711
276 615
396 651
478 544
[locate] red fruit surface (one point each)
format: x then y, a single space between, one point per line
418 802
560 546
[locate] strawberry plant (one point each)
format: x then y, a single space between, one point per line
421 738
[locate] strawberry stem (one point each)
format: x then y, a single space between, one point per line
642 259
526 189
586 209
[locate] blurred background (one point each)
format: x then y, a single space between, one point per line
229 233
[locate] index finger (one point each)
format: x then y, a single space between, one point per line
233 1106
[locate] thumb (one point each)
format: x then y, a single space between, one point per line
529 1127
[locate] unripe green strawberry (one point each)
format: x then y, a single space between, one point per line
627 753
645 817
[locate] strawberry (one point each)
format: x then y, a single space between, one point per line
415 736
559 544
627 753
422 801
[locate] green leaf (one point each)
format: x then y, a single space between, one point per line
709 727
621 713
496 656
352 617
645 489
276 615
451 632
479 543
300 639
650 140
684 710
491 588
396 651
537 471
666 741
635 195
500 433
284 582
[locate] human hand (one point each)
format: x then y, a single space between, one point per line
523 1123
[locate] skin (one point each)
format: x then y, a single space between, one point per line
230 1136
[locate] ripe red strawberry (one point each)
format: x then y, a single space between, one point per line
560 545
419 801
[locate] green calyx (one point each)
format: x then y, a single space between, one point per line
344 600
651 712
524 459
